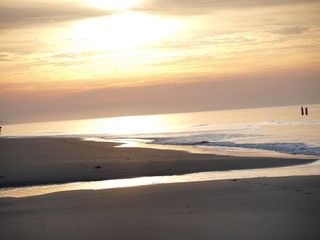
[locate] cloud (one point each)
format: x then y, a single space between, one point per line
8 57
39 13
290 30
192 7
255 90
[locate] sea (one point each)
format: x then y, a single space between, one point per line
275 131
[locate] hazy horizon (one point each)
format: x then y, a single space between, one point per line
167 114
90 59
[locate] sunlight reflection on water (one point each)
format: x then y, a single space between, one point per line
302 170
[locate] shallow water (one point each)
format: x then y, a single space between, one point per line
301 170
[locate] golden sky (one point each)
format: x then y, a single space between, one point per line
94 58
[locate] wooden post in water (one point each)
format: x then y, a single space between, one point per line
306 111
302 111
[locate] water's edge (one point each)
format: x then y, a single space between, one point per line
312 169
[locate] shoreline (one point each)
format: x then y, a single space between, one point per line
236 209
45 160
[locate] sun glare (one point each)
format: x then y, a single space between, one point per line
115 5
130 125
123 31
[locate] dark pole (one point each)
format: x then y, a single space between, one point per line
302 111
306 111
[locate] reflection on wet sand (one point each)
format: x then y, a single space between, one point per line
302 170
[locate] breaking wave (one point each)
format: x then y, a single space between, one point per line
224 140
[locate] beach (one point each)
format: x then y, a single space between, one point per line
256 208
159 120
273 208
38 161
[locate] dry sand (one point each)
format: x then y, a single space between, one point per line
34 161
262 208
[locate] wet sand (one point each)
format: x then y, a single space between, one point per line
35 161
262 208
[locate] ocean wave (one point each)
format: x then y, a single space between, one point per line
296 148
288 123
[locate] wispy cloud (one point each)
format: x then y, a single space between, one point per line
69 48
192 7
43 13
290 30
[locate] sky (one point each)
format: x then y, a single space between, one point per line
72 59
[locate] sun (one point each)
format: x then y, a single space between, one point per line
123 31
115 5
